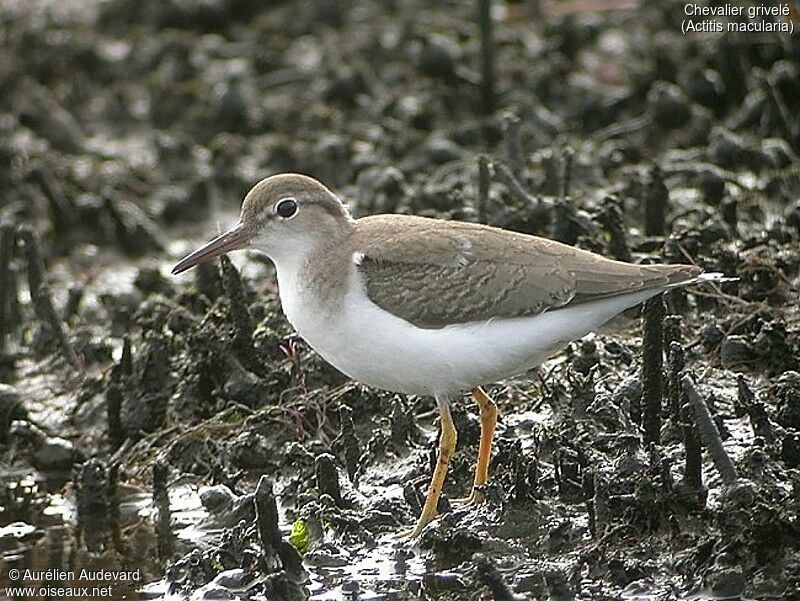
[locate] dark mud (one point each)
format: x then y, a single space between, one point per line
178 429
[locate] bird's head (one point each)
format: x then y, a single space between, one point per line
285 216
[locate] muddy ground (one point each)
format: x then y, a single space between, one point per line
175 428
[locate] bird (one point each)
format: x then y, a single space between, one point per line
423 306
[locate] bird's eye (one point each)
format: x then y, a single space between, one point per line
286 208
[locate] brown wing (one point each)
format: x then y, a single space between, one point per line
435 273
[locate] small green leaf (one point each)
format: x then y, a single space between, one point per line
299 537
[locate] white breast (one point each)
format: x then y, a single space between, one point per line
379 349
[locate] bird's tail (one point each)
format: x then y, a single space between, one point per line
712 276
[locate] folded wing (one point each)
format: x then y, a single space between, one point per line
434 274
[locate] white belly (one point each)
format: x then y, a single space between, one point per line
381 350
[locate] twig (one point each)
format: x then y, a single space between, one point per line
484 176
491 578
652 360
610 217
656 198
675 365
239 311
208 281
783 111
346 444
729 208
625 127
693 471
114 516
487 56
511 126
759 420
40 294
505 176
709 433
672 330
6 248
327 477
541 210
161 502
33 258
268 531
115 393
62 212
566 178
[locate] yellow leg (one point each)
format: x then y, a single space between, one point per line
447 446
488 413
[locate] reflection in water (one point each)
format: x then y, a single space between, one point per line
49 553
112 551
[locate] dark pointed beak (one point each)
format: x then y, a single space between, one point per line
235 239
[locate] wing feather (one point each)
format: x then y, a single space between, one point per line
434 273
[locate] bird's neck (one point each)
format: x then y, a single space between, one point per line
309 267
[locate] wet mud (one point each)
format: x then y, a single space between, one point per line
177 429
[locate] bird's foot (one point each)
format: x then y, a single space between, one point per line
411 534
475 498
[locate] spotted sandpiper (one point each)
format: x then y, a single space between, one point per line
427 306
